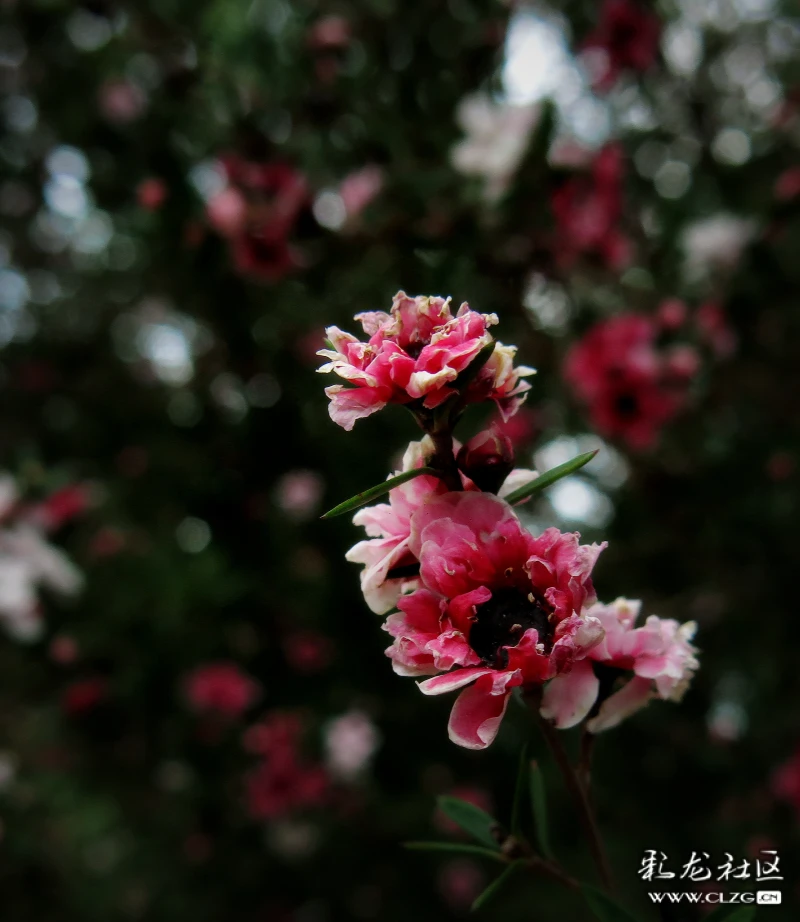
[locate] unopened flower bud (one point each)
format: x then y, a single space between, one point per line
487 459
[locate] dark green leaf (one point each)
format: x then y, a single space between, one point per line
361 499
519 792
459 847
603 907
539 806
550 477
471 819
496 885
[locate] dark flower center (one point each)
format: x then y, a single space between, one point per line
503 620
626 405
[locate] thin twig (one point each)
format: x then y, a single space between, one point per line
579 795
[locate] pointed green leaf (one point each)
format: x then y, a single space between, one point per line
603 907
496 885
519 792
362 499
539 806
550 477
459 847
471 819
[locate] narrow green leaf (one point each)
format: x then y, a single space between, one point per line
361 499
459 847
550 477
603 907
496 885
471 819
519 792
539 806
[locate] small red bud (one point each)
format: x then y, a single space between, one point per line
487 459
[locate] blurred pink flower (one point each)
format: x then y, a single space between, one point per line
628 386
299 493
787 185
627 36
414 355
657 659
460 881
714 329
350 743
121 101
359 188
329 32
500 605
307 651
220 688
151 193
785 781
83 695
284 781
257 212
587 211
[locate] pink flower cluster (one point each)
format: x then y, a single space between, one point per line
631 387
257 212
414 355
588 210
627 38
284 781
220 688
485 606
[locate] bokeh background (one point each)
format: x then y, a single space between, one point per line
197 721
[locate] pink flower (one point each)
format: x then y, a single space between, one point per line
121 101
359 188
83 696
497 608
257 213
389 565
299 492
151 193
413 356
220 688
628 35
787 186
628 386
658 656
284 781
587 211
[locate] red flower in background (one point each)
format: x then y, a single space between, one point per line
257 213
587 209
220 688
786 781
631 389
83 696
628 35
284 781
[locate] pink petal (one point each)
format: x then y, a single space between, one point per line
450 681
629 699
477 715
351 403
568 698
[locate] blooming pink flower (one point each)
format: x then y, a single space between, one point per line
389 565
587 211
628 35
498 604
658 655
629 387
284 781
220 688
414 354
